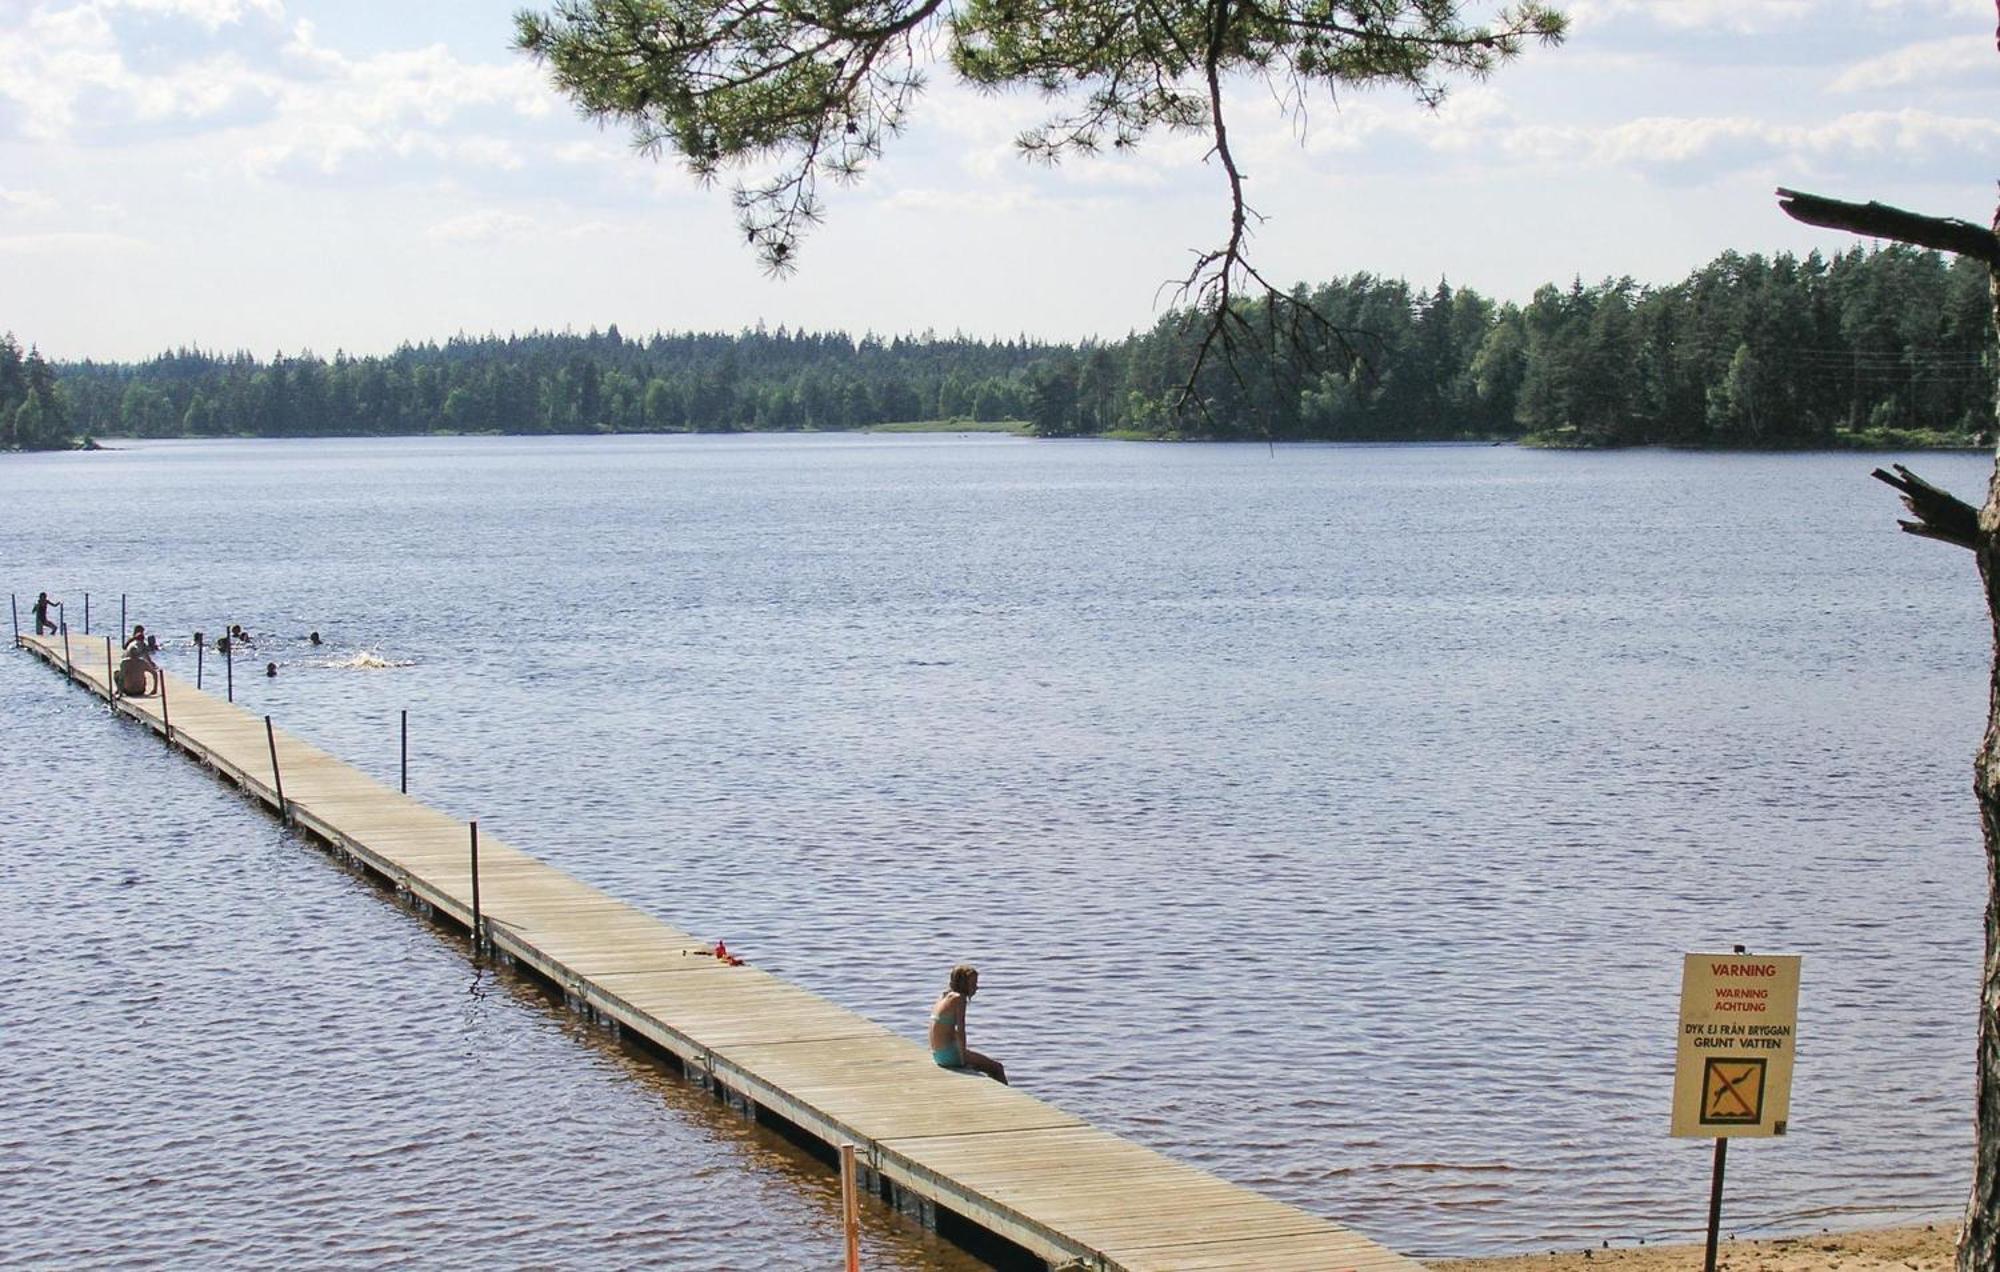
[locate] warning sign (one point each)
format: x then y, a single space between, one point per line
1739 1019
1732 1092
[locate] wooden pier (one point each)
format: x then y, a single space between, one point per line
991 1156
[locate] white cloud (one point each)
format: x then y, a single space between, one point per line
1926 63
26 200
1720 144
964 202
1742 17
210 14
486 226
39 244
590 152
65 76
1970 9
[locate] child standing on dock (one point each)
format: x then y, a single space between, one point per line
948 1027
41 609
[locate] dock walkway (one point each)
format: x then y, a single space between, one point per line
995 1157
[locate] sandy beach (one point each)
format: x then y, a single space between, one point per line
1916 1248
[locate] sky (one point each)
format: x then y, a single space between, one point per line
350 175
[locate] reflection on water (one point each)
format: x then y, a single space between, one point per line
1332 818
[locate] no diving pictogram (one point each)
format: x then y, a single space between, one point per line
1732 1092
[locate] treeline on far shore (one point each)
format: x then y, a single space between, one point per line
1888 347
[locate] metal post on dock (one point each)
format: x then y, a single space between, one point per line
850 1208
1715 1201
86 613
478 925
277 778
406 750
229 665
122 629
166 721
110 677
14 607
69 668
198 650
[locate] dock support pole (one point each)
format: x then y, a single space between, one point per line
166 721
197 666
406 750
478 924
229 661
1715 1202
277 778
86 613
850 1208
14 606
110 677
69 668
122 628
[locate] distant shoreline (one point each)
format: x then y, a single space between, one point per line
1875 444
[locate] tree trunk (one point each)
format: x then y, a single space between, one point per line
1940 516
1979 1243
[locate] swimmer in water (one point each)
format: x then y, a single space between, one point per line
270 669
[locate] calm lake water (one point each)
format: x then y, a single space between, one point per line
1333 818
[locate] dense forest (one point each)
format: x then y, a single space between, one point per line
1866 348
32 405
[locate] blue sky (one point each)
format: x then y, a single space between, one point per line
351 174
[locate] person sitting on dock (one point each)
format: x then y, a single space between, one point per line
41 610
948 1027
138 674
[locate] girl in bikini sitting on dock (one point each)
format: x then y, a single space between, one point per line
948 1027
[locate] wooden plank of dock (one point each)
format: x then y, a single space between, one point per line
993 1155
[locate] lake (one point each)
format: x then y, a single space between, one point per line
1331 817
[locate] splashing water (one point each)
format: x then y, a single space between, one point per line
369 660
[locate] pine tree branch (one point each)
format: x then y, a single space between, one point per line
1939 514
1879 220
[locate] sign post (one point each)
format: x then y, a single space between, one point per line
1733 1063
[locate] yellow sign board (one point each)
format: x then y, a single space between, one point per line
1739 1021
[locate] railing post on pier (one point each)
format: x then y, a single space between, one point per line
277 778
850 1208
86 613
14 607
69 668
478 924
198 649
122 628
110 677
229 661
406 750
166 720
